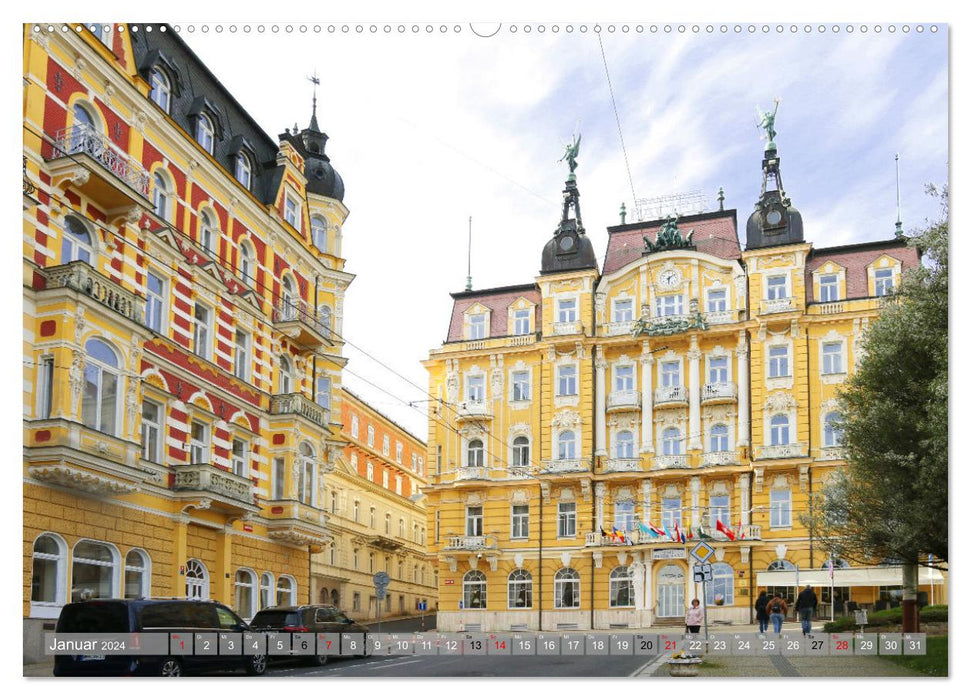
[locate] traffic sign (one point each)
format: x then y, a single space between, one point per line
382 579
702 572
702 552
423 605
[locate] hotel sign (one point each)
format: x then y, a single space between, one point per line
669 554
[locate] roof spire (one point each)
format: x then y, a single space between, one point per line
899 232
313 118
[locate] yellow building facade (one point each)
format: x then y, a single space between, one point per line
183 302
687 389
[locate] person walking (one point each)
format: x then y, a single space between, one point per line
806 605
694 617
777 610
761 613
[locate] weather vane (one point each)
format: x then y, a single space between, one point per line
316 81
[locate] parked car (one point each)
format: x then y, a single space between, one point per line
307 618
151 615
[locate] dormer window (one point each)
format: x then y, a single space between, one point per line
883 282
205 132
477 326
521 321
244 170
291 211
829 288
161 93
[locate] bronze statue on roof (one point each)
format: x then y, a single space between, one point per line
572 151
767 122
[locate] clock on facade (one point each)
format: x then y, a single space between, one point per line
567 243
669 278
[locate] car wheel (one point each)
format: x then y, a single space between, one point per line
256 666
170 667
320 660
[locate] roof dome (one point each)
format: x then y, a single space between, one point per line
555 259
322 178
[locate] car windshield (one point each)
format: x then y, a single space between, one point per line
276 618
93 618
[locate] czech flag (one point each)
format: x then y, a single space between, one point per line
721 527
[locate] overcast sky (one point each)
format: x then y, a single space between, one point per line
430 129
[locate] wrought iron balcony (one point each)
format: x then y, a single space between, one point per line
794 449
671 462
209 481
624 400
300 405
623 464
672 395
471 543
720 392
778 306
719 459
469 473
559 466
85 279
302 325
109 176
474 410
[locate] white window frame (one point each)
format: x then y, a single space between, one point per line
243 170
161 92
832 435
519 581
115 567
714 305
318 231
566 579
773 368
45 387
567 385
620 580
243 341
199 447
475 453
156 302
285 375
626 371
475 387
666 305
727 369
291 209
567 309
671 441
622 449
266 597
162 199
286 595
355 427
723 577
385 445
618 314
370 436
245 579
566 449
566 520
279 476
202 342
780 508
477 326
240 459
92 365
519 378
832 362
772 291
880 281
664 373
519 521
208 234
719 511
51 609
725 438
829 291
522 321
519 451
205 132
145 572
154 456
778 431
474 521
625 515
670 513
370 472
72 246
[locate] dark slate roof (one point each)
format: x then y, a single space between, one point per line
498 301
715 234
197 87
855 258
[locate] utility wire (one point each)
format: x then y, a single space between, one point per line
620 131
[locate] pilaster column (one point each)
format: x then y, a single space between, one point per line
743 499
647 399
179 556
599 491
695 501
601 365
694 395
741 352
221 582
649 583
647 493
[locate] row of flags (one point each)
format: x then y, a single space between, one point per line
675 535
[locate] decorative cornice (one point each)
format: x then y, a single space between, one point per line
81 480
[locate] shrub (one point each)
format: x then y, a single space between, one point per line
887 618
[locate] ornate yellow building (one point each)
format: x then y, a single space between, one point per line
183 293
588 420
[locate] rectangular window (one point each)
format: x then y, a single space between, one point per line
670 513
780 508
566 380
240 458
291 211
354 427
473 521
323 392
717 370
832 358
670 305
370 436
371 516
624 516
354 461
776 287
198 443
475 385
414 462
438 523
829 287
623 310
477 326
521 324
370 472
520 386
384 478
717 299
202 334
624 378
241 361
151 431
520 522
718 507
421 466
779 361
279 469
882 282
154 301
566 520
566 310
45 387
397 485
670 374
398 450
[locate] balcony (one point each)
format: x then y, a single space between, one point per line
564 466
302 325
622 464
671 396
670 462
209 482
719 459
98 169
470 473
716 318
567 328
471 543
618 328
795 449
749 532
624 400
596 539
474 410
299 405
831 453
519 340
778 306
828 308
296 523
720 392
84 279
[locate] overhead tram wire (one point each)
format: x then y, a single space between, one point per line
613 102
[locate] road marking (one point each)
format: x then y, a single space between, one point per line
401 663
649 668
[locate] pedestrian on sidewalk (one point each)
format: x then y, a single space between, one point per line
777 610
761 613
806 605
694 617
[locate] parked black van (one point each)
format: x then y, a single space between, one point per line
111 616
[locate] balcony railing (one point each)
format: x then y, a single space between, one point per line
566 328
828 308
670 395
719 459
828 453
750 532
213 481
778 306
671 462
624 399
83 139
794 449
524 339
623 464
558 466
471 542
633 536
299 321
298 404
618 328
472 410
467 473
715 318
719 392
85 279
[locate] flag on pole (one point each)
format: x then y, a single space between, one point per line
740 533
830 562
678 535
721 527
702 535
667 533
657 531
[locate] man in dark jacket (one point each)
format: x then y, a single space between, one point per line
806 605
761 614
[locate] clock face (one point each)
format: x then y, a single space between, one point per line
774 217
669 277
566 243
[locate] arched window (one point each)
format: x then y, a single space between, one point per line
245 598
779 426
520 585
138 574
286 375
832 431
475 453
566 445
286 591
781 565
47 578
474 590
93 571
719 438
722 584
205 133
76 241
306 473
671 441
318 231
566 589
244 170
196 580
836 563
161 89
332 554
289 300
247 263
621 588
624 445
324 596
520 451
266 590
207 233
414 574
99 403
161 196
335 598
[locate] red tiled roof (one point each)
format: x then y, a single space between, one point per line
855 259
498 302
715 234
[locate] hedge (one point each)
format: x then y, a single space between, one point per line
887 618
